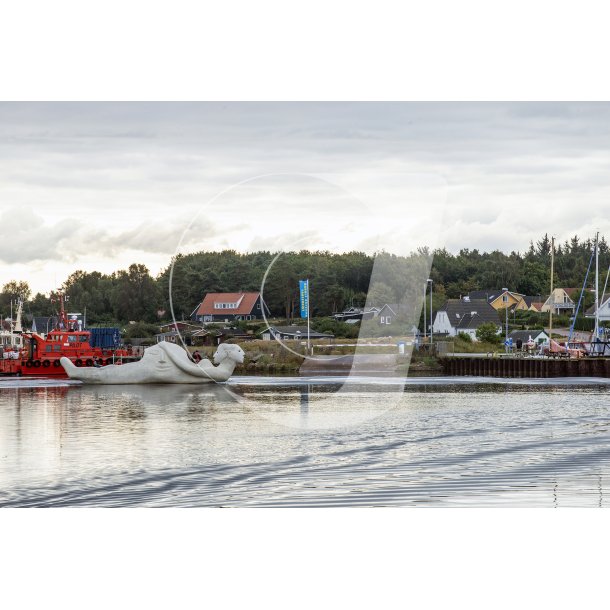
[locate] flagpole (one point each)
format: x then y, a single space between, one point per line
308 348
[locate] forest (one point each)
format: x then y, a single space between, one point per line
336 280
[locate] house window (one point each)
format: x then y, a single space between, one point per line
382 318
225 305
388 320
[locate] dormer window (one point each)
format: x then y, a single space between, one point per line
225 305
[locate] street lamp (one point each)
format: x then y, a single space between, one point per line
505 299
425 321
431 322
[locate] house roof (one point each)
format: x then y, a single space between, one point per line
591 310
44 324
487 294
491 294
524 335
393 307
396 308
244 301
469 314
357 311
178 325
531 300
171 333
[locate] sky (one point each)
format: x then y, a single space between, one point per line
98 186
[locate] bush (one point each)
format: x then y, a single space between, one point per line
141 329
339 329
465 337
488 333
582 323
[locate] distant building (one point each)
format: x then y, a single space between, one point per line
356 314
560 301
464 316
181 326
292 333
521 337
501 299
229 306
534 303
216 336
604 311
390 311
173 336
41 325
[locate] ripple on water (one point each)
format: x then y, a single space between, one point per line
520 443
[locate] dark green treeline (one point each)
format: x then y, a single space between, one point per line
337 280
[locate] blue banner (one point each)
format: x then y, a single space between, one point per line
304 300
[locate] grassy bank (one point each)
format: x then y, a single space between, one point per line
270 357
263 357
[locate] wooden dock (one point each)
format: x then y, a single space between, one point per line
525 367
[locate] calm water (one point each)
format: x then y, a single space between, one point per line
289 442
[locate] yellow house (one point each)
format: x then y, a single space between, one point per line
509 299
499 299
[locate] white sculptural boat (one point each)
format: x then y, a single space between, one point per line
162 363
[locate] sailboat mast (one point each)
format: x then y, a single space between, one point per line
18 327
597 285
551 297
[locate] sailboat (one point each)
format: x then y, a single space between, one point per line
11 338
597 345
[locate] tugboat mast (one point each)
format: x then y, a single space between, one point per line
62 322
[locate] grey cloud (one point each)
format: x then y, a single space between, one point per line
33 240
528 156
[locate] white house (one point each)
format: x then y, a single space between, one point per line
604 311
464 316
539 337
560 301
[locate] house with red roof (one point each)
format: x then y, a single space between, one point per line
229 306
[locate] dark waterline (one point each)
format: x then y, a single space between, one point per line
293 441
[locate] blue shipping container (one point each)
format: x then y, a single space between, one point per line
105 338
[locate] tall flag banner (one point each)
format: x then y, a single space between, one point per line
304 300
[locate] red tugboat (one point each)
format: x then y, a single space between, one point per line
40 356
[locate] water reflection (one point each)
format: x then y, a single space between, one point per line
448 445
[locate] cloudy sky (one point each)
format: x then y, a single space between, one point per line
99 186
